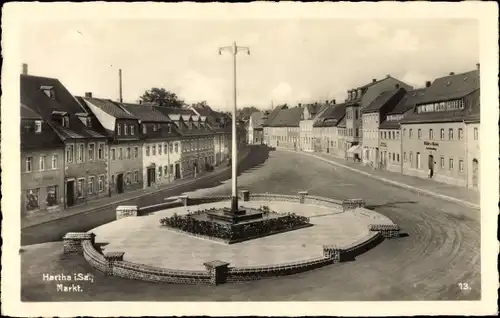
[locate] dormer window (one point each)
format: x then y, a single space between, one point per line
132 130
144 129
65 121
38 126
89 122
125 129
155 128
169 128
49 91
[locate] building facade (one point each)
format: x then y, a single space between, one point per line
255 132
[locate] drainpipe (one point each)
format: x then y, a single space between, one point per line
401 147
466 163
65 194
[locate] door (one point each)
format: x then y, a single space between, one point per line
177 171
119 183
70 193
418 160
150 176
475 173
431 162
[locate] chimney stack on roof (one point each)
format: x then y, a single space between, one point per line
300 104
374 80
452 73
428 84
120 84
25 69
388 75
477 66
334 101
397 85
88 94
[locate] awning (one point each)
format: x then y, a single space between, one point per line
355 149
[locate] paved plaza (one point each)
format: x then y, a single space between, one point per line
144 241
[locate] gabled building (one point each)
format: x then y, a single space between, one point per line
255 131
307 140
270 138
326 122
359 98
372 116
124 151
85 164
161 154
390 141
441 134
42 165
284 128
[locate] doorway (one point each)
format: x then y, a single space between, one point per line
475 173
70 193
119 183
431 166
177 171
151 176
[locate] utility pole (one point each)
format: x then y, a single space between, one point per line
234 49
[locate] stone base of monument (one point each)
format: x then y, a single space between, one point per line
233 217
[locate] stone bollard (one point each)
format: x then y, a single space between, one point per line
331 252
218 271
245 195
111 258
72 241
184 199
123 211
302 196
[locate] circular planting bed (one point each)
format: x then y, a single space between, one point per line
191 242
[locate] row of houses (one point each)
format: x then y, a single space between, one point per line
429 132
75 149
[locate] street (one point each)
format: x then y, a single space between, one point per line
440 253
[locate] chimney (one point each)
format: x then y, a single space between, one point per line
120 79
88 94
25 69
477 66
374 80
428 84
397 85
334 101
300 104
452 73
388 75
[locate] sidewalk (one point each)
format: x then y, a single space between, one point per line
444 191
35 219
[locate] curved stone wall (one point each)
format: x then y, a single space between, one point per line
219 272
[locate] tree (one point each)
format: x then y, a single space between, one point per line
162 97
245 112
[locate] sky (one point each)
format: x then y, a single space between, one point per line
291 60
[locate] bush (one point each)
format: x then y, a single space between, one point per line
230 232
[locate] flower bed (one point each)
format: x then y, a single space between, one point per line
271 223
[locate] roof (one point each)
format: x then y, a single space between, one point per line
272 115
331 116
109 107
451 87
341 123
313 109
469 113
145 113
33 97
28 113
46 139
409 100
287 118
257 119
384 99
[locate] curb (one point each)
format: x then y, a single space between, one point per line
104 206
398 184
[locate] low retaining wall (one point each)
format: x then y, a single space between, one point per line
219 272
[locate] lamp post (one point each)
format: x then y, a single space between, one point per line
234 49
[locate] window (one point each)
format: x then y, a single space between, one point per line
155 128
441 162
411 133
450 134
125 129
132 130
404 156
450 165
418 160
101 183
165 170
393 135
147 150
128 152
91 151
431 134
79 188
41 166
29 164
460 134
136 176
357 132
390 156
159 149
165 148
128 179
160 170
118 129
38 126
394 156
51 198
69 153
136 152
476 133
65 121
113 154
397 134
91 185
80 153
120 153
32 199
397 157
54 161
461 165
411 157
144 129
419 133
154 150
112 179
169 128
441 134
100 151
176 148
